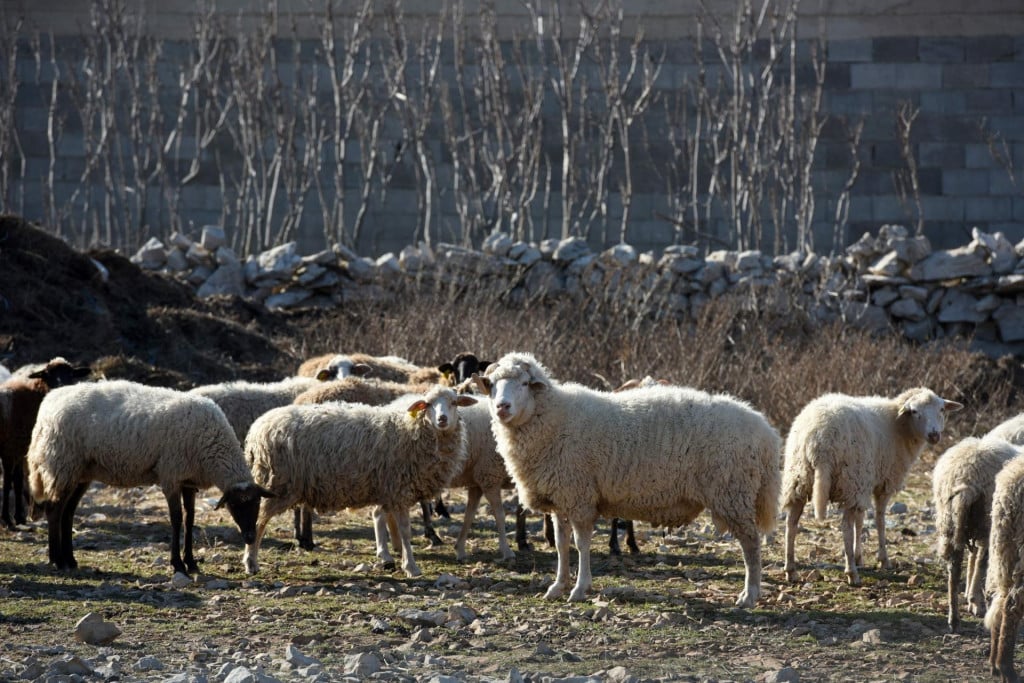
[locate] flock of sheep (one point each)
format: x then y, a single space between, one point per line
353 431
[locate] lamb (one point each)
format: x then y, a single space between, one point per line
1004 581
390 368
19 403
1012 430
243 402
962 484
333 456
849 450
663 455
127 434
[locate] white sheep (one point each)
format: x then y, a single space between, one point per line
390 368
483 474
962 483
852 450
243 402
333 456
1011 430
662 455
127 434
1004 581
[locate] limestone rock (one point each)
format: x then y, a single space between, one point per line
94 630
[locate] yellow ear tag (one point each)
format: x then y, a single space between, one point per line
414 413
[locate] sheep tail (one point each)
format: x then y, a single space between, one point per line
40 484
767 510
822 484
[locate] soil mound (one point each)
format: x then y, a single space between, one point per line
100 308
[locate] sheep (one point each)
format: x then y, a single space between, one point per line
962 483
243 402
19 403
127 434
849 450
333 456
1004 581
663 455
390 368
354 389
1012 430
483 474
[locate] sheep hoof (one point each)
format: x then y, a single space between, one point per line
853 578
388 565
746 599
578 594
554 591
976 608
792 576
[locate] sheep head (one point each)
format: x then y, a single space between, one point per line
440 408
60 373
925 413
243 502
512 383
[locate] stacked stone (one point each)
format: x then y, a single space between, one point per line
891 281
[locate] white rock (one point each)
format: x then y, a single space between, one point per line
180 580
295 657
212 238
94 630
362 664
148 663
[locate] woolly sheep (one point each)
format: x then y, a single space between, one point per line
127 434
333 456
355 389
1004 581
962 483
243 402
851 450
1012 430
389 368
483 474
663 455
19 403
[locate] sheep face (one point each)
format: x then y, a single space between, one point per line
440 409
341 367
512 392
59 373
243 502
926 414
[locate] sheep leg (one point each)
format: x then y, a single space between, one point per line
441 509
634 549
188 497
521 542
883 553
66 558
549 531
20 514
750 543
497 507
473 494
1004 638
269 508
849 525
583 533
972 568
793 510
433 540
380 535
953 568
976 580
613 538
405 532
561 531
5 498
174 509
304 527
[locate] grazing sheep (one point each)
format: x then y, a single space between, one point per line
333 456
663 455
127 434
389 368
1004 581
20 397
962 484
851 450
1012 430
483 474
354 389
243 402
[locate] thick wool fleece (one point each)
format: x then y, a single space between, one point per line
243 402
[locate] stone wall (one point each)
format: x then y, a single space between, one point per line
891 282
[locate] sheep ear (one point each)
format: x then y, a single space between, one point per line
490 369
483 384
82 371
418 407
952 406
446 369
265 493
323 375
462 401
627 385
903 410
361 370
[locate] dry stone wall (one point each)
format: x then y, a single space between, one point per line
890 281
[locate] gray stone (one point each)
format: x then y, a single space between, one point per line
228 279
989 303
682 265
71 665
180 241
308 272
212 238
180 580
148 663
918 330
362 269
1000 250
898 508
951 264
461 613
783 675
324 257
908 309
547 248
873 637
914 292
292 297
570 249
1010 284
910 250
865 316
176 261
748 260
621 255
199 275
151 255
884 296
724 257
529 256
197 255
240 674
362 664
889 265
1010 320
420 617
498 243
295 657
94 630
957 307
279 261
